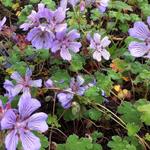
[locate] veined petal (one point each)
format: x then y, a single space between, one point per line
80 80
27 105
74 46
16 89
105 41
148 20
11 140
35 83
37 122
138 49
16 76
73 34
105 54
97 38
97 56
64 53
140 31
8 120
29 140
28 74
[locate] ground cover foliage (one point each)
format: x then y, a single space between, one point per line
75 74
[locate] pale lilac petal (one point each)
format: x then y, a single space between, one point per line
75 46
49 83
80 80
81 91
105 41
11 140
17 89
8 85
28 74
73 34
2 22
138 49
65 99
140 31
102 9
29 140
60 15
61 35
16 76
97 38
56 45
8 120
63 4
35 83
73 2
60 27
27 105
92 44
105 54
97 56
64 53
37 122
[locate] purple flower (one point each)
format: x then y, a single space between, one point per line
32 21
65 99
8 86
102 5
140 31
66 42
99 46
20 124
3 110
22 83
49 83
41 37
73 2
76 87
2 22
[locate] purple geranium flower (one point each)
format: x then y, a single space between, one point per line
49 83
65 42
41 36
141 32
99 46
102 5
2 22
22 83
21 122
3 109
76 87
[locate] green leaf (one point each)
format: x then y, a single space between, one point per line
145 110
94 114
53 121
49 3
132 129
95 135
118 143
94 94
77 63
61 78
73 142
129 113
7 3
104 82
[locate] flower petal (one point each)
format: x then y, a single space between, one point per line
72 35
97 56
105 54
97 38
35 83
64 53
105 41
138 49
29 140
27 105
65 99
16 76
74 46
11 140
37 122
17 89
8 120
140 31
